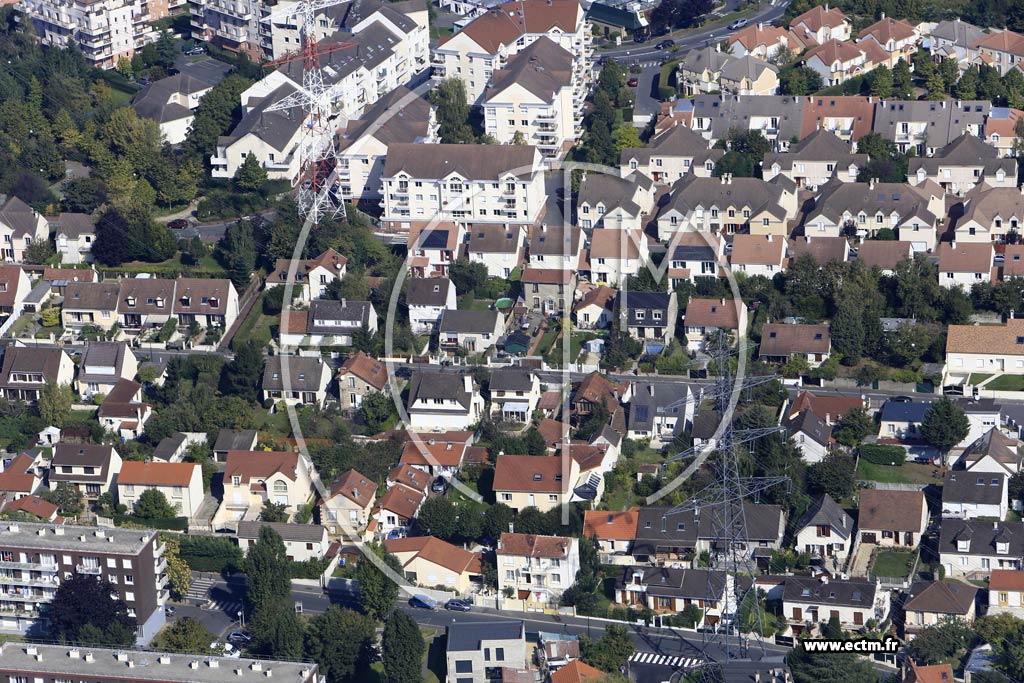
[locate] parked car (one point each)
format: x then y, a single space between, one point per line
666 44
423 602
144 81
178 224
457 605
633 82
439 485
901 399
169 610
739 23
196 50
239 637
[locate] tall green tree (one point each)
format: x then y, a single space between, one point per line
266 570
67 499
944 425
403 648
377 411
880 82
251 175
112 244
238 252
811 667
341 642
55 403
833 475
218 111
377 591
184 635
452 111
153 504
610 652
83 611
241 376
437 517
902 80
277 631
848 332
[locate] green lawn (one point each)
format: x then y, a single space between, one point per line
257 326
907 473
895 563
1007 383
978 377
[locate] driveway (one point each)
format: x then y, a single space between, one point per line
862 560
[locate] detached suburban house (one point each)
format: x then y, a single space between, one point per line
705 316
808 601
967 494
650 317
89 468
327 323
428 298
515 394
349 502
296 380
538 569
986 349
428 561
440 400
825 531
780 342
471 331
971 548
103 365
930 602
892 518
123 412
614 531
1006 592
302 542
181 483
965 264
253 477
522 481
27 370
359 376
667 590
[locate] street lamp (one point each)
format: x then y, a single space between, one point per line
241 618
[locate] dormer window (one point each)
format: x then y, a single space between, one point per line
1002 547
214 302
186 301
963 546
130 301
160 302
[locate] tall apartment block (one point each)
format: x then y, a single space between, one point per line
36 663
105 30
35 558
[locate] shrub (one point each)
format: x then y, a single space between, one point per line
882 454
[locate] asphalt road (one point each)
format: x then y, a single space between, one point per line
220 615
646 53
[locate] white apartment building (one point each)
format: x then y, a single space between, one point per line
483 47
537 96
228 24
538 568
398 117
105 30
379 53
423 184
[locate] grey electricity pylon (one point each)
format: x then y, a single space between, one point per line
719 510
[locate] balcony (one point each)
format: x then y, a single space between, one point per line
162 597
24 597
161 582
92 571
28 565
160 550
161 566
45 582
547 115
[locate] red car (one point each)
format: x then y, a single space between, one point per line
178 224
633 82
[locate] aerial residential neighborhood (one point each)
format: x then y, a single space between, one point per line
530 341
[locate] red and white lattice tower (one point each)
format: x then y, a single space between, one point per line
318 196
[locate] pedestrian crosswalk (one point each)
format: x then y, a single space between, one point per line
227 604
665 660
200 587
